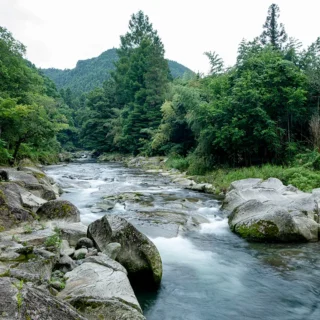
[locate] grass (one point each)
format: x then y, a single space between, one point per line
179 163
27 229
303 178
19 286
54 240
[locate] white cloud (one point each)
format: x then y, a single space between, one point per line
61 32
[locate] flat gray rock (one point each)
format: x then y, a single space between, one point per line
99 283
71 232
33 303
104 260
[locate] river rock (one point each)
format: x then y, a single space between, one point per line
84 242
65 248
97 290
38 269
112 250
9 251
12 204
100 232
80 253
65 264
59 210
23 301
138 254
269 211
4 175
70 231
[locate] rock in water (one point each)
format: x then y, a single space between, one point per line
138 254
22 301
101 290
269 211
59 210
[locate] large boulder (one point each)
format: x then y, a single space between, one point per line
59 210
100 232
137 254
15 205
99 288
22 301
269 211
35 180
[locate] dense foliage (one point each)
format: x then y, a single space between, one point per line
30 114
91 73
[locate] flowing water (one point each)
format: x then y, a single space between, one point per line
208 273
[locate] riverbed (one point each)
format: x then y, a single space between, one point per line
208 272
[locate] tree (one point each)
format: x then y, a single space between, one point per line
99 112
174 135
24 124
273 33
216 63
141 78
16 77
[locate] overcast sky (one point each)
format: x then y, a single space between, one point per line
58 33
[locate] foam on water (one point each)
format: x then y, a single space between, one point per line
206 211
206 264
217 225
181 250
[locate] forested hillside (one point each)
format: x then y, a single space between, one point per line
31 110
91 73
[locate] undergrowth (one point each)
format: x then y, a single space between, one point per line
303 172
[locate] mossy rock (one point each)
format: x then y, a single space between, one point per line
59 210
258 231
266 222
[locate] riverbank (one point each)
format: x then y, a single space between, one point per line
260 207
303 173
46 254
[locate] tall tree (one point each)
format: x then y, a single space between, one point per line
273 33
141 79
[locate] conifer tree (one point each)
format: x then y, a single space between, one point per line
273 33
141 78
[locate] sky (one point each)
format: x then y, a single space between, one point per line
58 33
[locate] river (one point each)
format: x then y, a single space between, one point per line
208 273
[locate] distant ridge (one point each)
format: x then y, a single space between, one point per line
91 73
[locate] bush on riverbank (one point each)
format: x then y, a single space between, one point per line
303 173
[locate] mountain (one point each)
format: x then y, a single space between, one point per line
91 73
